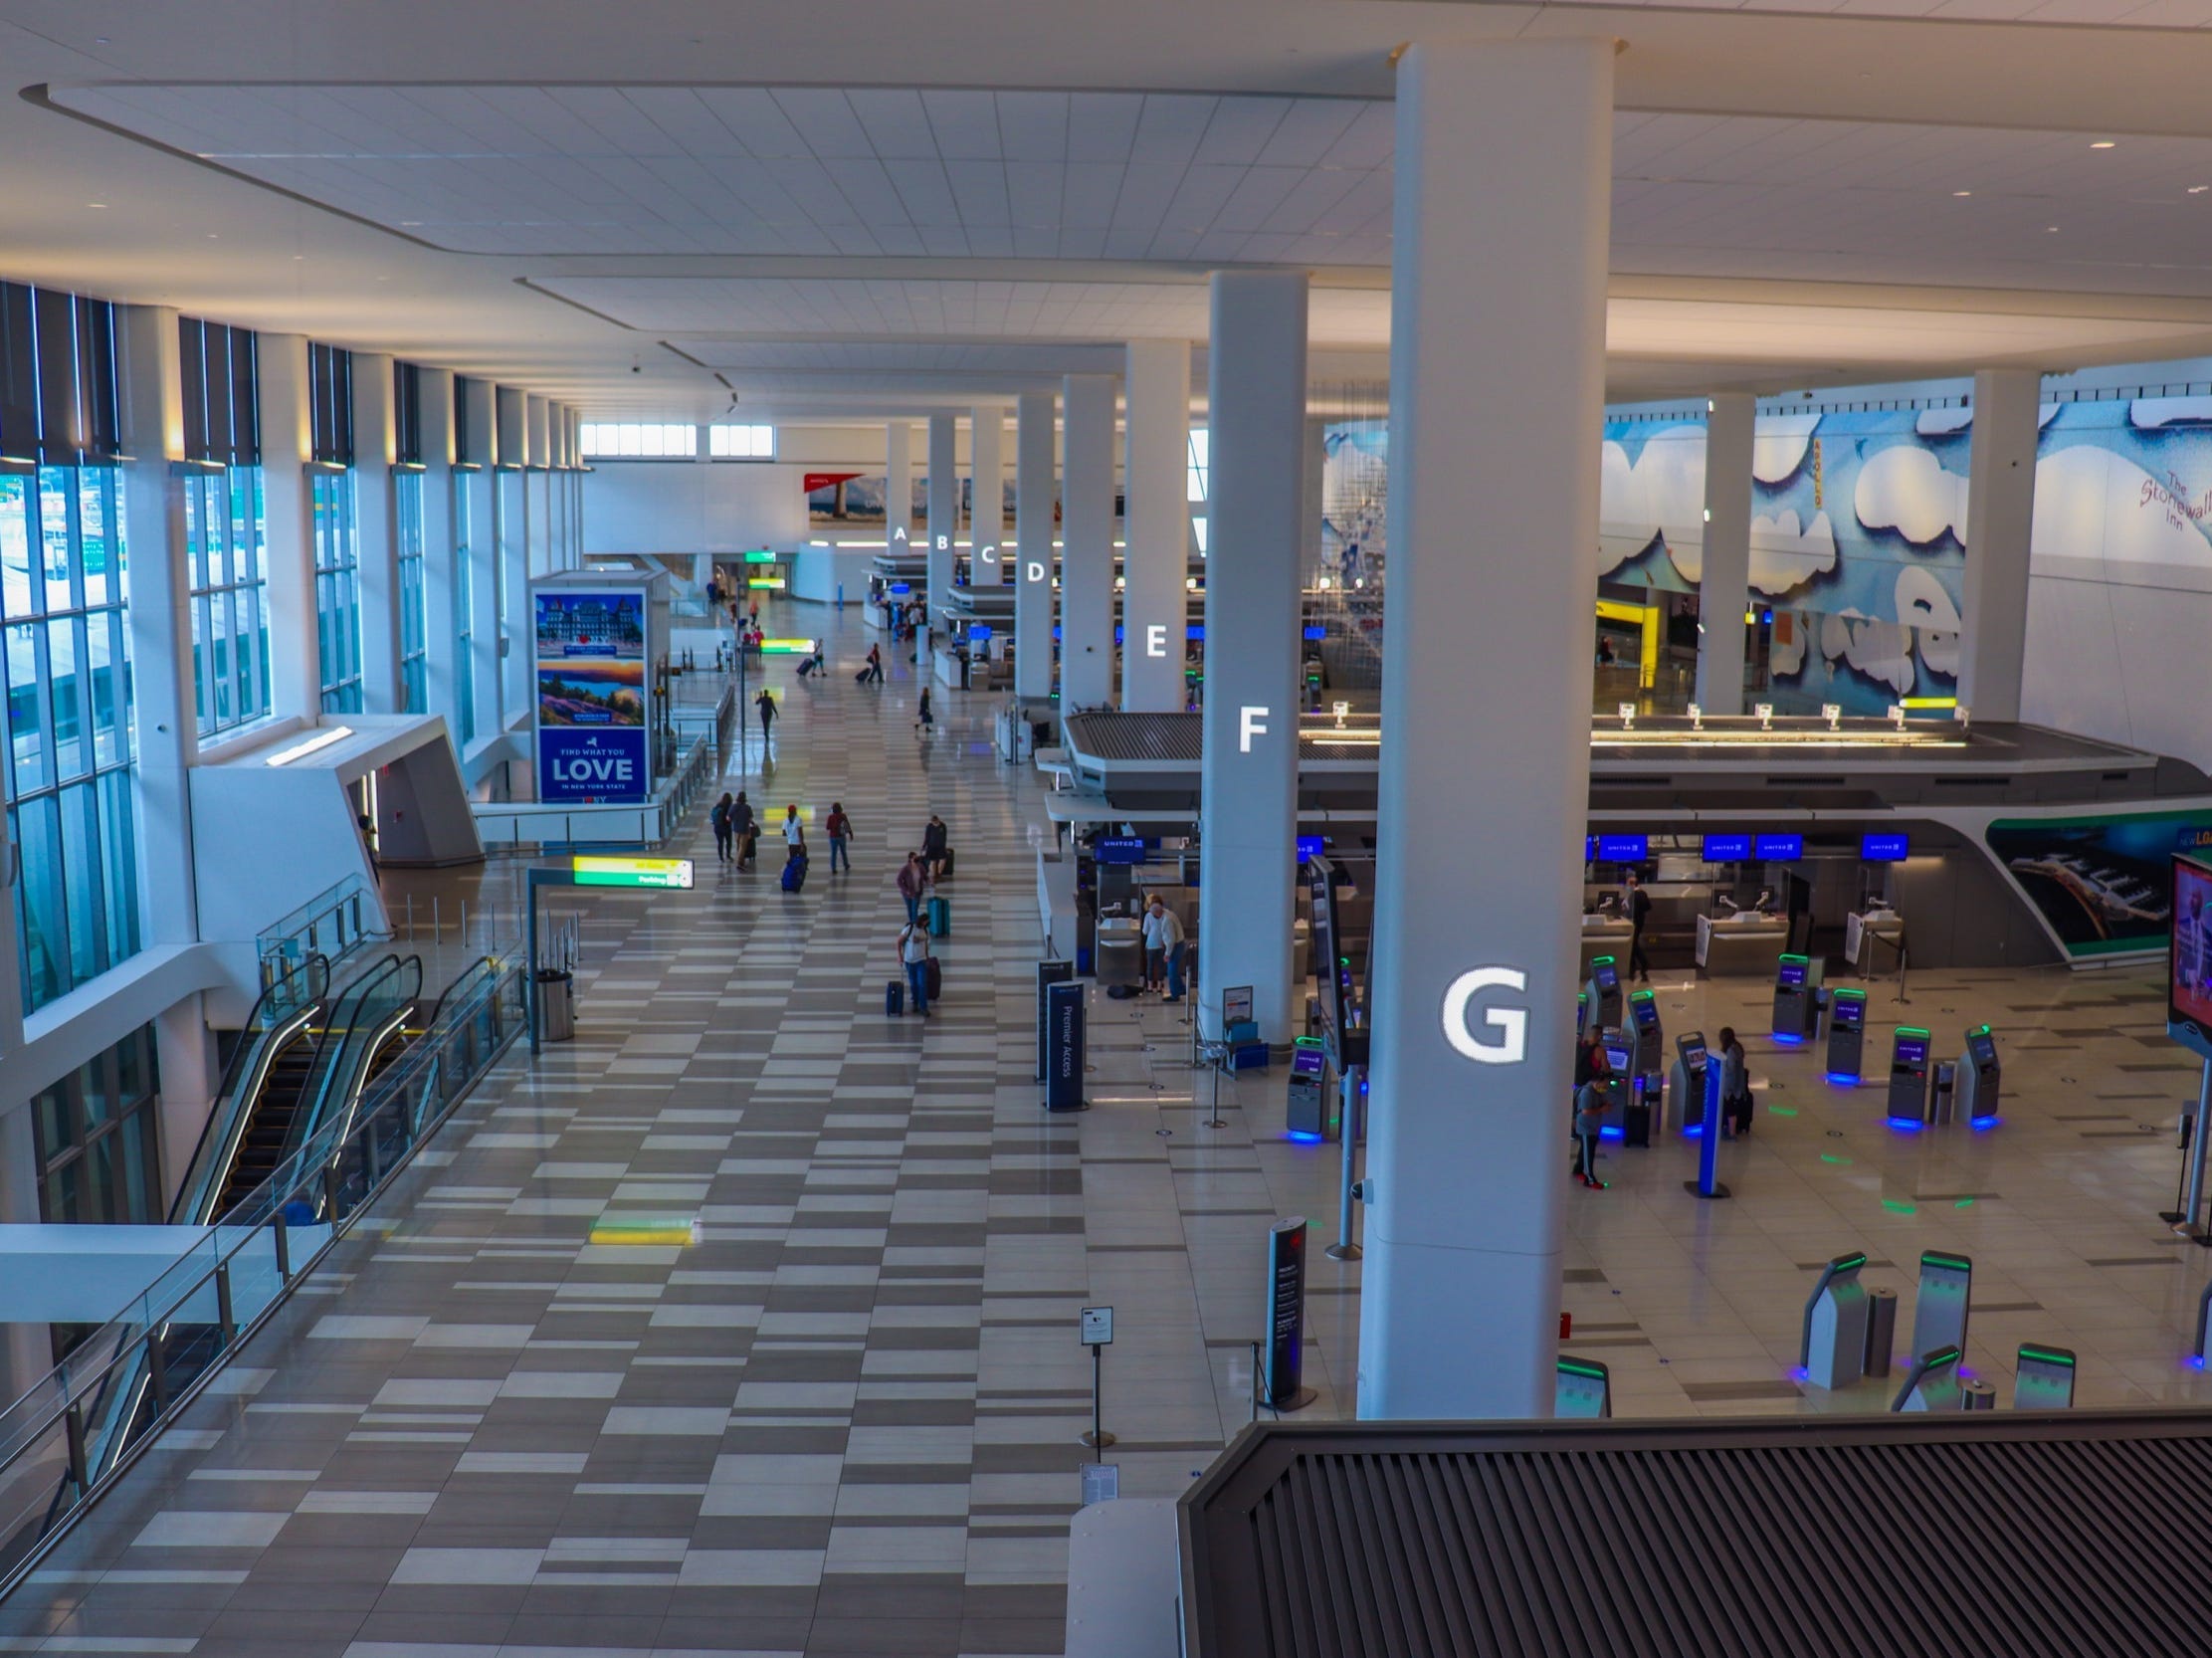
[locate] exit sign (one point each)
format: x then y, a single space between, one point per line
763 556
632 872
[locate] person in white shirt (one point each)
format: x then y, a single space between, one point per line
1155 964
1164 936
913 956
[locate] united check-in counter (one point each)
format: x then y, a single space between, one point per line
1873 939
1746 944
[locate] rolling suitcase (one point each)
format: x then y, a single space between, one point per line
935 976
947 870
1636 1123
941 918
794 874
894 999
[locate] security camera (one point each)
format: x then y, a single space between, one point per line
636 368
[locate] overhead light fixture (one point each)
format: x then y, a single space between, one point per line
309 746
2104 143
1962 193
2199 189
2050 230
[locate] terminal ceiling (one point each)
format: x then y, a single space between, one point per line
849 207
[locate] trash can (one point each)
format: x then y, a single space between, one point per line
1977 1395
1943 1106
556 1005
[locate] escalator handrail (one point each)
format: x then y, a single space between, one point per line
489 967
251 1060
365 1033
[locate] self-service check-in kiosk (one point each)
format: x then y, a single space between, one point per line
1686 1080
1604 993
1908 1076
1939 1312
2044 1378
1932 1382
1305 1114
1620 1090
1581 1013
1978 1076
1647 1059
1584 1389
1833 1352
1796 999
1846 1034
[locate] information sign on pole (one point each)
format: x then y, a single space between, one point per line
1285 1353
1064 1059
596 870
1097 1327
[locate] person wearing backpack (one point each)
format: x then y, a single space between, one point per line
724 827
1589 1117
745 829
1735 1086
840 830
935 846
913 881
913 956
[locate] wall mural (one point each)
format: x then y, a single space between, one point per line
2128 484
1858 543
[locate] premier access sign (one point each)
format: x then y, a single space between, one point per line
630 872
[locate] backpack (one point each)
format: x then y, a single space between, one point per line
721 819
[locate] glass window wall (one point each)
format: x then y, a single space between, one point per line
226 531
97 1134
64 586
464 604
338 590
414 630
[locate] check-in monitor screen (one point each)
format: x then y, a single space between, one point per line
1623 849
1908 1052
1692 1051
1619 1058
1604 975
1790 974
2190 956
1982 1047
1850 1012
1726 849
1885 849
1779 848
1647 1012
1307 1062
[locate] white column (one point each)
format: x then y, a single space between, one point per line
1255 547
163 710
1034 496
944 510
898 484
1087 543
375 446
511 530
287 444
1496 396
2000 513
1156 557
987 496
1725 575
440 580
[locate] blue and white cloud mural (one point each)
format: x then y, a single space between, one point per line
1858 543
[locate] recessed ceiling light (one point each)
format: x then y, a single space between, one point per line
95 204
212 237
2199 189
2103 144
2050 230
1962 193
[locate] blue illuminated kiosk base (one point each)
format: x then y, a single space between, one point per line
1708 1183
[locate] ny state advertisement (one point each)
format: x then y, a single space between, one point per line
591 713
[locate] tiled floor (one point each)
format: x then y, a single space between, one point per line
846 1421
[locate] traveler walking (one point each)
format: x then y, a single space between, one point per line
766 703
839 829
720 817
913 956
913 881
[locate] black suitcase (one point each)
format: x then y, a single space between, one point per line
947 870
894 999
935 978
1637 1124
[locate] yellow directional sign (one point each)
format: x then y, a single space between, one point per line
632 872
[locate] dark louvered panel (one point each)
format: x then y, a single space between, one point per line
2057 1536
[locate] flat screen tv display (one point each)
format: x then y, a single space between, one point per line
2189 957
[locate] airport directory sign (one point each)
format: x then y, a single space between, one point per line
1884 848
593 871
2189 957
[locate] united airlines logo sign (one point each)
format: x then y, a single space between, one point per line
1503 1034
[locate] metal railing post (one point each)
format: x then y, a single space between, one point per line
225 1316
73 1426
281 1237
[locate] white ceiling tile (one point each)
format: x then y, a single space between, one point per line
1238 130
1309 132
1101 126
965 123
922 186
825 120
1033 191
1090 192
894 122
1033 127
980 192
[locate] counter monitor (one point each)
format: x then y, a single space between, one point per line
1784 848
1623 849
1726 849
1884 848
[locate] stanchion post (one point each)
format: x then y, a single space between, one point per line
1344 1249
1098 1336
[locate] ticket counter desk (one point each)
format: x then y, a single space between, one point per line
1746 944
1873 940
1603 935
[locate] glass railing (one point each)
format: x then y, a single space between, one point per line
285 1009
372 1011
327 925
148 1364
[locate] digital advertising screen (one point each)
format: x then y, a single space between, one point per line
2101 884
591 695
2189 957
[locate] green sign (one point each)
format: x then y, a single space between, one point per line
630 872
